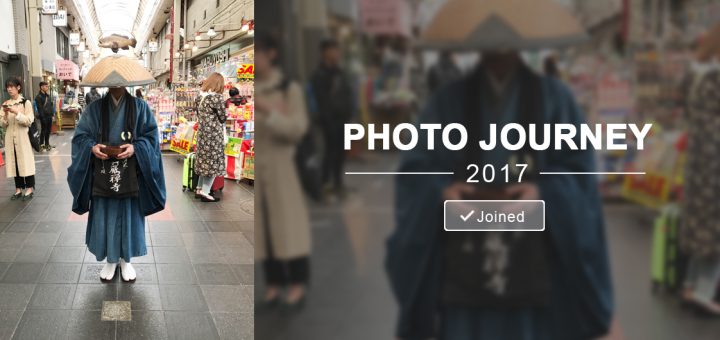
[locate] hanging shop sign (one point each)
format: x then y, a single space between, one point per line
153 46
49 6
66 70
74 39
60 19
386 17
216 58
246 71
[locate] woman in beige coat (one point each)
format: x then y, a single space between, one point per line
16 116
283 236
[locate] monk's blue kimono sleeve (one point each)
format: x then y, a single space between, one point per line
412 261
574 217
151 176
80 171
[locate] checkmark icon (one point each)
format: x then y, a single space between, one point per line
466 217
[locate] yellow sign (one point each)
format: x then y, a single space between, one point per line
246 71
181 146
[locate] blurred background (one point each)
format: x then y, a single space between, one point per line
636 66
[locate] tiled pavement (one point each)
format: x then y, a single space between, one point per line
195 283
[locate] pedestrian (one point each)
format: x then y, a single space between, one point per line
46 111
444 72
554 284
700 230
139 94
334 100
81 98
117 170
210 154
283 237
92 96
235 98
550 67
16 117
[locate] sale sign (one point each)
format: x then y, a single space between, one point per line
246 71
181 146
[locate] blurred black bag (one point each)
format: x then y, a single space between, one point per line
33 132
34 135
308 155
507 269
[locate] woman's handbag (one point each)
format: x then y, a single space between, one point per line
116 178
33 132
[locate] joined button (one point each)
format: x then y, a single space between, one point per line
499 215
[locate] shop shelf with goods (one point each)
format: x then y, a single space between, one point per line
162 103
660 98
603 90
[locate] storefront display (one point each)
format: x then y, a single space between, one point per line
162 103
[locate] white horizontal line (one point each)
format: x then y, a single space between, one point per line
591 173
399 173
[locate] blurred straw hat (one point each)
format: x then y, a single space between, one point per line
502 24
709 46
117 71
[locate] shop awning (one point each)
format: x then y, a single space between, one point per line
66 70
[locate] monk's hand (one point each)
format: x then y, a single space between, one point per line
458 190
519 193
96 151
523 191
128 151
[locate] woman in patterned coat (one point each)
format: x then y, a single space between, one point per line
700 230
210 154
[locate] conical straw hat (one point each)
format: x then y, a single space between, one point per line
502 24
117 71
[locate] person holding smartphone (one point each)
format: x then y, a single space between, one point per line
16 117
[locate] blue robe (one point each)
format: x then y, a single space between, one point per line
581 303
116 227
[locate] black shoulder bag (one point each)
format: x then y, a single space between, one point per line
116 178
33 132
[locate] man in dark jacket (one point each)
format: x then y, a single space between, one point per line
92 96
333 94
46 111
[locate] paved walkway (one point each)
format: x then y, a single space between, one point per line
195 283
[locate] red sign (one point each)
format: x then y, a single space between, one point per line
66 70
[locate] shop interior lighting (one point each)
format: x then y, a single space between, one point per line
198 36
195 48
186 46
177 54
245 26
211 32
